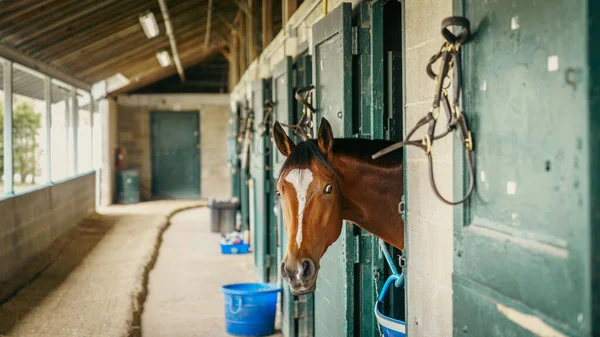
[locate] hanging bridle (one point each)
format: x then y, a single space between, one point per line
306 121
449 55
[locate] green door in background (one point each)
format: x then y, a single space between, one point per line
526 244
332 76
175 142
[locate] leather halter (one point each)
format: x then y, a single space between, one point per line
450 58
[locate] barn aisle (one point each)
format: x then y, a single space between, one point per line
183 289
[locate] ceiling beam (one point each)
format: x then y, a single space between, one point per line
243 7
172 39
14 55
154 75
208 23
228 24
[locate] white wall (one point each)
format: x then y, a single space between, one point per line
430 222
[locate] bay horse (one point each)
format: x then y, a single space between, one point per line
325 181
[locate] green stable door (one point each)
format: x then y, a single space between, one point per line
297 311
261 186
175 143
332 77
527 242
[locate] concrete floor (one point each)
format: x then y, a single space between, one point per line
90 281
183 290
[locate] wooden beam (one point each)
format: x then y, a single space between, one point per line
226 54
243 7
225 38
153 75
208 23
228 24
267 23
118 58
251 33
234 63
60 19
16 56
172 39
288 7
243 51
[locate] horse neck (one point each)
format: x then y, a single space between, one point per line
371 195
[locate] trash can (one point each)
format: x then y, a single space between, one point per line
127 187
223 215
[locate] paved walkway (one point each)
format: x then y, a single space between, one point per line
183 290
90 282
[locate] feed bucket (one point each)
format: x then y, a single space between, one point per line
250 308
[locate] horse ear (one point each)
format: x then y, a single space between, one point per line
284 143
325 137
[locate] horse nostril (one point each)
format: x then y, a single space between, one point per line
282 269
308 268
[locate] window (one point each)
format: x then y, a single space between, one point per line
29 127
59 136
97 136
84 133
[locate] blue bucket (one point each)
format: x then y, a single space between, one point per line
250 308
390 327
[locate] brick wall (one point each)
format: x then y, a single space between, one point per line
430 222
30 222
134 136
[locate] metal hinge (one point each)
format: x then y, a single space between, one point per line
296 309
354 40
402 208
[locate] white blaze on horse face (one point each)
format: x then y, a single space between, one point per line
300 179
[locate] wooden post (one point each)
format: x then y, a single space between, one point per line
267 23
289 7
251 32
243 50
234 63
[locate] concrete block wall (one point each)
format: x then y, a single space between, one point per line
134 136
430 222
30 222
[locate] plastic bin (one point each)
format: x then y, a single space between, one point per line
240 248
250 308
127 187
223 215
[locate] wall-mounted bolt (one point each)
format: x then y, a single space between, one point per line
580 318
339 114
465 329
416 321
459 253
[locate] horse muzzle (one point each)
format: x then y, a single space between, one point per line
302 277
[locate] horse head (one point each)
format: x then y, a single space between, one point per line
311 201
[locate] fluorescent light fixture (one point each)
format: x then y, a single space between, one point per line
116 82
149 25
163 58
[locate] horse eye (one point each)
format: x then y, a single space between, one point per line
328 188
278 193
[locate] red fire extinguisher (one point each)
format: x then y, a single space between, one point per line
119 159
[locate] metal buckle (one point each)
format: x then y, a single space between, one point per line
427 143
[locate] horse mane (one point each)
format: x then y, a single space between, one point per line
361 149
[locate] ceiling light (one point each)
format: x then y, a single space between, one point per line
163 58
115 82
149 25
